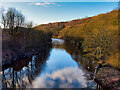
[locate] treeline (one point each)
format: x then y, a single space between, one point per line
53 28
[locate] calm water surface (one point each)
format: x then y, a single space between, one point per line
59 66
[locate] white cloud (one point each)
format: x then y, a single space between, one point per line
59 0
45 4
42 4
65 78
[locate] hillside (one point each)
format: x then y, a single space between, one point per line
97 36
54 28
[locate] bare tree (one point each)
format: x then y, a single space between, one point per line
3 18
19 19
4 22
29 24
12 19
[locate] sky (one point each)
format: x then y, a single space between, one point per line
46 12
59 0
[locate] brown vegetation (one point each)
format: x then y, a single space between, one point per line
97 36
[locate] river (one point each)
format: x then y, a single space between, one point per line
60 66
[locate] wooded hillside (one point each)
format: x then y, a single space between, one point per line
97 36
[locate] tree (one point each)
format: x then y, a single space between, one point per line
19 19
12 19
3 17
4 20
10 15
29 24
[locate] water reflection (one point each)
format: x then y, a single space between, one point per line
76 55
63 78
61 66
59 59
57 41
21 73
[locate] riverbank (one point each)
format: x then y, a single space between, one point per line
10 56
23 44
108 77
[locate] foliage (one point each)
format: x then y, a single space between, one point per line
53 28
96 35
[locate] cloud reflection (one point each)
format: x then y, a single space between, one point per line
71 77
57 41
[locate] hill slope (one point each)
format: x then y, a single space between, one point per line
97 36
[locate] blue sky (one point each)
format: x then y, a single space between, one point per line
46 12
59 0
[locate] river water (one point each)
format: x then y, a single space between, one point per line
59 66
